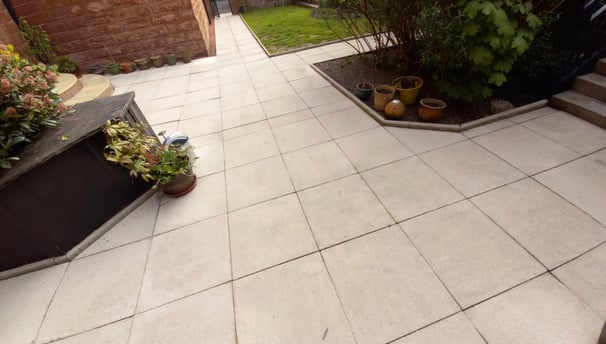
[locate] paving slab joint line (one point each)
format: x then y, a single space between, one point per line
431 126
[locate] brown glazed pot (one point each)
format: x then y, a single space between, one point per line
431 109
383 94
180 185
127 67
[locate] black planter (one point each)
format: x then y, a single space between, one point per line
364 90
63 190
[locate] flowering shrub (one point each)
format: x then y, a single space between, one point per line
27 102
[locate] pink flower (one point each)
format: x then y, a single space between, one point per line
5 85
10 112
52 77
29 100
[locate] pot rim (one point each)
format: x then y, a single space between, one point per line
433 100
389 88
358 85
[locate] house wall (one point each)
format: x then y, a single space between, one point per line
9 31
91 31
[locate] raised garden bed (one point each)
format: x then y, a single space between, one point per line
63 189
345 72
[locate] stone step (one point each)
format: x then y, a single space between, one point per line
580 105
592 84
600 68
93 87
67 86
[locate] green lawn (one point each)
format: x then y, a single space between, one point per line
285 28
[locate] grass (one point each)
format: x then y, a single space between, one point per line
289 27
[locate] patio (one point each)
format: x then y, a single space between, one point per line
312 224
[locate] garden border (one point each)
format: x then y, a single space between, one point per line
431 126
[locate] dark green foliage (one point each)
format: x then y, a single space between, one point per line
39 46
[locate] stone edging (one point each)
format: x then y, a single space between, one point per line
431 126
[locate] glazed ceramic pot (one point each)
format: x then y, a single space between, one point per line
407 88
395 109
383 94
364 90
431 109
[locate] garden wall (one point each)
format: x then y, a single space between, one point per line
129 28
235 4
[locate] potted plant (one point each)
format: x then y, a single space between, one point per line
169 166
383 94
187 56
243 6
364 90
112 68
157 61
408 88
127 67
142 64
431 109
96 69
66 65
171 59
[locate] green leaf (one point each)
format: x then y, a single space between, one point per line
471 29
471 9
493 40
480 55
497 79
520 44
487 7
502 66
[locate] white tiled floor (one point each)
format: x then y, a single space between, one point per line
312 224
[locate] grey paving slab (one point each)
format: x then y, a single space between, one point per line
420 141
283 105
117 333
569 131
205 317
243 115
268 234
275 91
96 291
245 129
290 118
211 159
321 96
201 108
249 148
343 209
582 183
200 126
291 303
456 329
525 149
408 188
470 168
386 288
347 122
533 114
586 278
300 134
206 200
372 148
472 256
550 228
257 182
24 301
541 311
186 261
317 164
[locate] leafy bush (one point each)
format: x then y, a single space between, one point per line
472 45
27 102
65 64
38 42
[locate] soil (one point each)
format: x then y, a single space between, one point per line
349 71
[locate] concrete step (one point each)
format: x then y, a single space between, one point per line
67 86
580 105
600 68
93 87
592 84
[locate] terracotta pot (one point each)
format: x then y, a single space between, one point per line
383 94
180 185
431 109
364 90
127 67
407 88
395 109
96 69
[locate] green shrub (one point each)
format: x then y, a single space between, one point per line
39 47
65 64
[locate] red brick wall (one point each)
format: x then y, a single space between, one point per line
9 31
130 29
